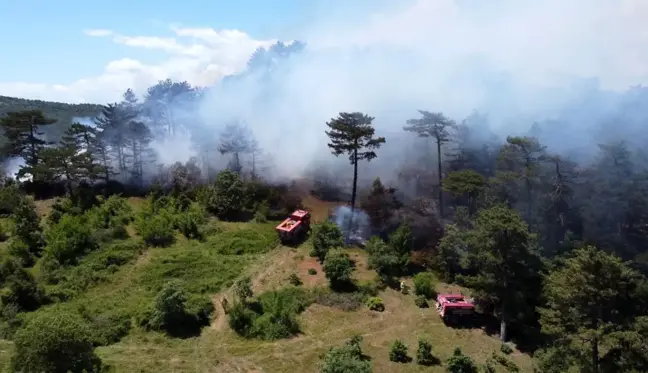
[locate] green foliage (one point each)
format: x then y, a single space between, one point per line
509 365
451 249
384 259
421 301
155 223
272 316
20 251
425 285
312 271
189 222
111 217
294 280
345 359
506 348
327 236
26 225
424 353
460 363
21 288
402 241
256 239
375 304
243 288
590 289
55 342
398 352
226 197
69 239
338 268
10 198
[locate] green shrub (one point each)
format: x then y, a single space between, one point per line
312 271
345 359
10 197
156 229
189 222
243 288
177 313
327 236
26 225
424 353
509 365
421 301
70 239
398 352
294 280
200 308
20 287
460 363
19 250
375 304
273 316
505 348
338 268
55 342
425 284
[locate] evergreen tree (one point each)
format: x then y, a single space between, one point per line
353 134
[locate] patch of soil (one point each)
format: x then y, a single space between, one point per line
303 265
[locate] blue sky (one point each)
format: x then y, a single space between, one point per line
45 43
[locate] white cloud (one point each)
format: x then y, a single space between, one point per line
539 40
97 32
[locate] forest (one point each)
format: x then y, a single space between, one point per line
551 245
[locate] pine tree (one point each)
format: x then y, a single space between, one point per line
25 140
353 134
437 126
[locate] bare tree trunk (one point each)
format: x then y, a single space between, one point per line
440 179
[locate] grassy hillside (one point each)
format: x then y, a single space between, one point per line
109 294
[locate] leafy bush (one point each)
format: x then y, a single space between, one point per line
177 313
189 222
349 301
226 197
375 304
421 301
345 359
110 218
55 342
398 352
425 284
460 363
243 288
19 250
509 365
312 271
69 239
272 316
327 236
338 268
424 354
10 197
505 348
156 228
294 279
21 288
26 225
383 258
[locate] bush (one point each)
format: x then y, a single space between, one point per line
345 359
421 301
19 250
10 197
375 304
509 365
294 280
505 348
189 222
338 268
424 353
460 363
398 352
424 284
273 316
177 313
243 288
156 229
55 342
312 271
327 236
226 197
69 239
20 286
26 225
